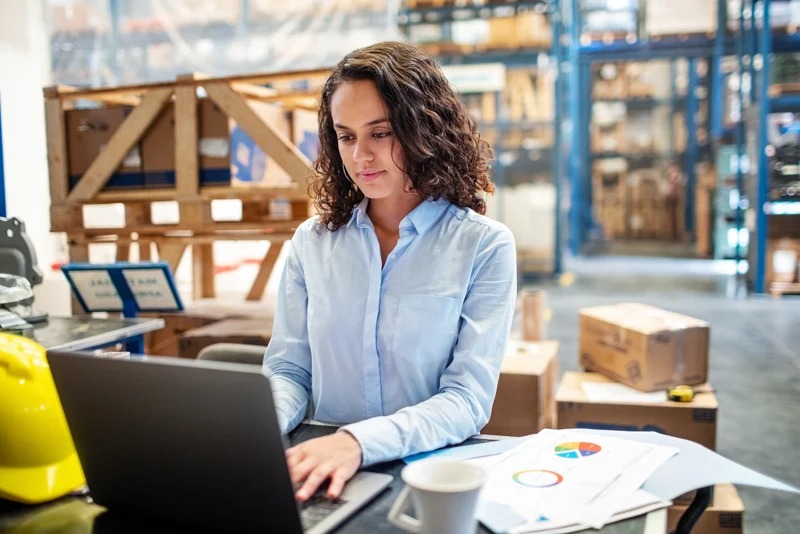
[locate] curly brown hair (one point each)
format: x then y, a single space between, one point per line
445 156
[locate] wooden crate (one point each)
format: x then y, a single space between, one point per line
270 213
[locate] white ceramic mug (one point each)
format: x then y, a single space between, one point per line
444 494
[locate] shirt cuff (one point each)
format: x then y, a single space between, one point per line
378 438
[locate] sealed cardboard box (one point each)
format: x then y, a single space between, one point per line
226 154
591 400
643 346
524 403
305 132
88 133
725 515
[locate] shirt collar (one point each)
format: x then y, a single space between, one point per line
426 214
421 218
359 213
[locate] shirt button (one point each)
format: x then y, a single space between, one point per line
393 255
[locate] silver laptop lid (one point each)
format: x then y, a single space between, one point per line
188 441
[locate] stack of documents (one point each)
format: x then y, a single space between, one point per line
564 481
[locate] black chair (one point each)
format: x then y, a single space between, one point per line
17 255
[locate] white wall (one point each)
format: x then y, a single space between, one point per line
24 70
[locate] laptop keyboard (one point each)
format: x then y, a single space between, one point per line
319 506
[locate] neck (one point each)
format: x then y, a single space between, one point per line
386 213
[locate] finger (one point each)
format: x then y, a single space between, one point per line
294 456
314 479
300 471
338 480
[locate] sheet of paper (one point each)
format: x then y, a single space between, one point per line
555 479
695 467
611 392
467 452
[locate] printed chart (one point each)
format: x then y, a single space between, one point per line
577 449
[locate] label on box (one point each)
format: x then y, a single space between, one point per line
214 147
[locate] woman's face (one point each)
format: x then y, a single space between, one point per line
371 154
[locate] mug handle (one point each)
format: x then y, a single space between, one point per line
397 515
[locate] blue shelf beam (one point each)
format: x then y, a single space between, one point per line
667 48
692 148
764 46
557 54
577 228
786 103
717 88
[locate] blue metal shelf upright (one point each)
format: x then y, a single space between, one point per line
525 56
580 56
767 41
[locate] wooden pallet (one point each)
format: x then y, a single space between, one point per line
783 89
778 289
237 97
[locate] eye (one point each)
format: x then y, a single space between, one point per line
381 135
344 137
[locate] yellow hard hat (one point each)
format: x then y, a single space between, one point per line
38 461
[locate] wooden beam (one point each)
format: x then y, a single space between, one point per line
56 150
203 271
171 253
106 98
250 90
267 265
123 252
128 133
187 175
145 254
272 142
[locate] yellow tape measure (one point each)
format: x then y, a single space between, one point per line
681 394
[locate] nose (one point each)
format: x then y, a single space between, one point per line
362 151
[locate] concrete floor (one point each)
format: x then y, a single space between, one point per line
754 366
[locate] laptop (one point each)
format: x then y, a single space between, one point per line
190 442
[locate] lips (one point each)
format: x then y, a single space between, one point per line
370 175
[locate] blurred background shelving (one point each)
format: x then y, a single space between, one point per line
617 125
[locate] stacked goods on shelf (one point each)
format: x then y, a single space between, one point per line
517 122
784 162
668 17
726 231
609 20
704 190
494 27
635 131
609 196
783 266
236 144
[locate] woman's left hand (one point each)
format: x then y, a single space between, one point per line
337 457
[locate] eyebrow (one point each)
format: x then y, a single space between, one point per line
370 123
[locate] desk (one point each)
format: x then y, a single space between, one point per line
81 333
78 515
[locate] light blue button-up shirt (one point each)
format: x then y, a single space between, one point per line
405 355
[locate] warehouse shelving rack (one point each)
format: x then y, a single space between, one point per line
761 41
582 55
523 56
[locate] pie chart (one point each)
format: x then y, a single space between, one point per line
577 449
537 478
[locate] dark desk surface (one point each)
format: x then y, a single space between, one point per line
80 333
77 515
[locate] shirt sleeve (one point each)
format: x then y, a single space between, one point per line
468 384
287 360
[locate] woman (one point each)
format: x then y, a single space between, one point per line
396 301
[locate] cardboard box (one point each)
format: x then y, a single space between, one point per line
88 133
305 132
695 421
226 154
524 403
644 347
724 516
255 331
